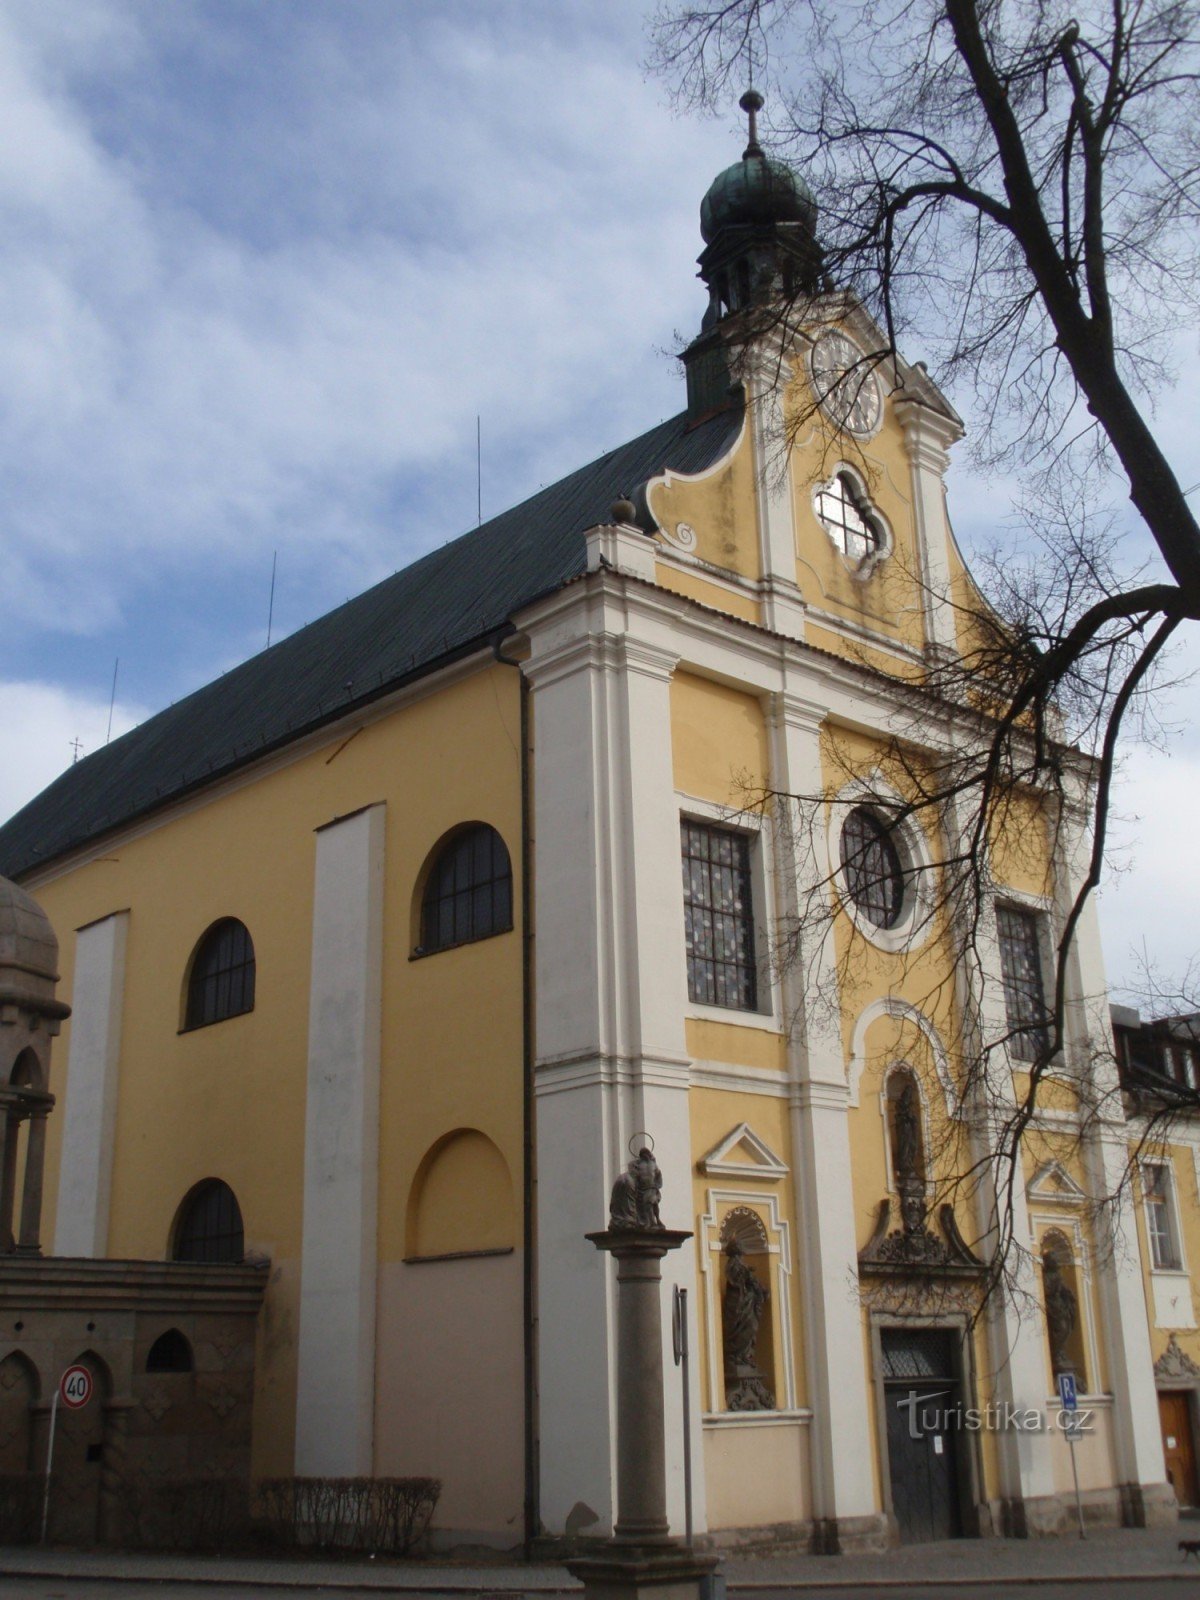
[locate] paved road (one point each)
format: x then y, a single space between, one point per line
1182 1587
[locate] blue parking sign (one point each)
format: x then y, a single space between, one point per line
1066 1391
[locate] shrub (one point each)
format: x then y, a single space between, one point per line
389 1515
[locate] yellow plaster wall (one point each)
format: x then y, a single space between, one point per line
1019 844
693 585
720 506
890 601
718 742
228 1100
1187 1196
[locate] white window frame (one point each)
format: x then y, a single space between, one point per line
1169 1201
759 832
862 566
915 923
1041 908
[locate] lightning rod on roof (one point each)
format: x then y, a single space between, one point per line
112 699
478 472
271 602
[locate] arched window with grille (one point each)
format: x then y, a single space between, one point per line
468 891
221 975
209 1225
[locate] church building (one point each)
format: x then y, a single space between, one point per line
385 951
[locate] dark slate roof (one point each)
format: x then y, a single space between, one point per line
439 609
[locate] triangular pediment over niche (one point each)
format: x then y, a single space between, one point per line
742 1154
1052 1183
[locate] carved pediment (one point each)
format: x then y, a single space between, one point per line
915 1248
742 1154
1174 1366
1052 1184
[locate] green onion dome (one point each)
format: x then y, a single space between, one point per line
755 190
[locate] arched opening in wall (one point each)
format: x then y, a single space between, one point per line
747 1327
22 1097
86 1501
208 1225
18 1396
220 978
170 1352
461 1200
1063 1298
464 892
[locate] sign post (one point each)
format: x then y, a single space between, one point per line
1069 1398
74 1390
679 1339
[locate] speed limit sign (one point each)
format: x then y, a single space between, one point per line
75 1387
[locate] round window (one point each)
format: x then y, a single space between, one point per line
871 867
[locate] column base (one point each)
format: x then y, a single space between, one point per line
630 1572
1052 1516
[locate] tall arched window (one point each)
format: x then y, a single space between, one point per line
209 1225
221 976
468 890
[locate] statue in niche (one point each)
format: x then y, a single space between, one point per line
908 1131
636 1195
742 1308
1062 1310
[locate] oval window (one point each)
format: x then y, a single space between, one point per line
871 867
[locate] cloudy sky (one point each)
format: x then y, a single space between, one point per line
263 262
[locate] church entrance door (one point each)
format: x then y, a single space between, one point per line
1174 1409
922 1397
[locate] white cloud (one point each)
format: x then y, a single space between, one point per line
1148 907
40 723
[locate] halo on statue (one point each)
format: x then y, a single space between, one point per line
640 1141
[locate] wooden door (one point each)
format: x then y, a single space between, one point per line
921 1395
1175 1414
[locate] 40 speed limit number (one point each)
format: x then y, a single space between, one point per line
75 1387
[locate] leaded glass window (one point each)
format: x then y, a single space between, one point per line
221 981
1024 995
846 517
468 894
210 1225
719 917
871 865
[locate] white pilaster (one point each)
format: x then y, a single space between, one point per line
335 1399
611 995
928 436
85 1179
1120 1288
1014 1322
842 1479
782 602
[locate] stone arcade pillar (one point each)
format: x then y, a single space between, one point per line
30 1017
641 1558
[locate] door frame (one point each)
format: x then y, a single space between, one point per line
967 1445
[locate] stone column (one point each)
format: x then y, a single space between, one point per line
10 1134
29 1243
641 1557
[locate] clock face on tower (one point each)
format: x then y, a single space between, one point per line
845 384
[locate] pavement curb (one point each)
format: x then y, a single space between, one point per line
312 1578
